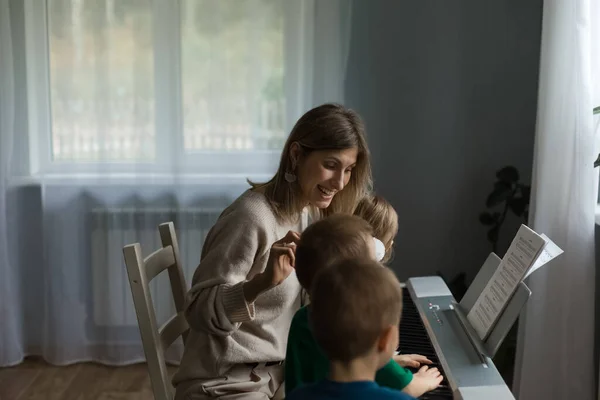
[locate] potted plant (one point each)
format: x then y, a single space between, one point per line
509 194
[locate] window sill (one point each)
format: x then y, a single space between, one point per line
127 179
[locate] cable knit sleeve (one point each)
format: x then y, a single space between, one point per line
216 301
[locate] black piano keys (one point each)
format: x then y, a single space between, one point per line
415 340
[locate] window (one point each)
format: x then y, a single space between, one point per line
117 85
101 80
242 44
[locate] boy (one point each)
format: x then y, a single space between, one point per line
355 313
322 244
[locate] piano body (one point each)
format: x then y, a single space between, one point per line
435 325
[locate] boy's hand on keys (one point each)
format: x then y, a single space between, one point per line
425 380
411 360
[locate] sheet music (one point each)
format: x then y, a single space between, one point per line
550 251
521 255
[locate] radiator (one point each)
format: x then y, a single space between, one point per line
112 229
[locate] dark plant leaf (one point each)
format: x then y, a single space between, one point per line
501 185
502 191
493 234
526 215
597 162
486 218
596 110
496 216
518 205
526 192
508 174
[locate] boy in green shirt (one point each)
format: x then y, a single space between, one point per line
323 244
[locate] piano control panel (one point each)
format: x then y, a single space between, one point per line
434 309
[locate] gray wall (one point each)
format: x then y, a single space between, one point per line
448 91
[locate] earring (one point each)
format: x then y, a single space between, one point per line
290 177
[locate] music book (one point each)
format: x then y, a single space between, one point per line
528 252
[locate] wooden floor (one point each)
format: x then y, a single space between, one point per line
34 379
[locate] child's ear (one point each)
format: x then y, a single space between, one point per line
388 339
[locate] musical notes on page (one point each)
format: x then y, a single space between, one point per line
521 255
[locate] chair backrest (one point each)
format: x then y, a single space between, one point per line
154 339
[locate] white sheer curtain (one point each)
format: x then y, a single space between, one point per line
122 114
10 310
556 338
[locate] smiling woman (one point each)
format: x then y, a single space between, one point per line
244 294
325 151
324 173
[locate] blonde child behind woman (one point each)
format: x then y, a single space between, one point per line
382 217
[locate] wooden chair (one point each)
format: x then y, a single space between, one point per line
154 339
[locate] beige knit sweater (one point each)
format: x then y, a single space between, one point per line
225 330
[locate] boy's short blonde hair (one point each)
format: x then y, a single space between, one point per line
382 217
352 303
329 240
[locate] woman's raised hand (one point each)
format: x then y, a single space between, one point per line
282 259
280 265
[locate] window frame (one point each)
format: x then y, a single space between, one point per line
171 157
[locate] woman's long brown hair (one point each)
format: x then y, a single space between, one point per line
326 127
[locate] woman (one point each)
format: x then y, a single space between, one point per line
244 293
